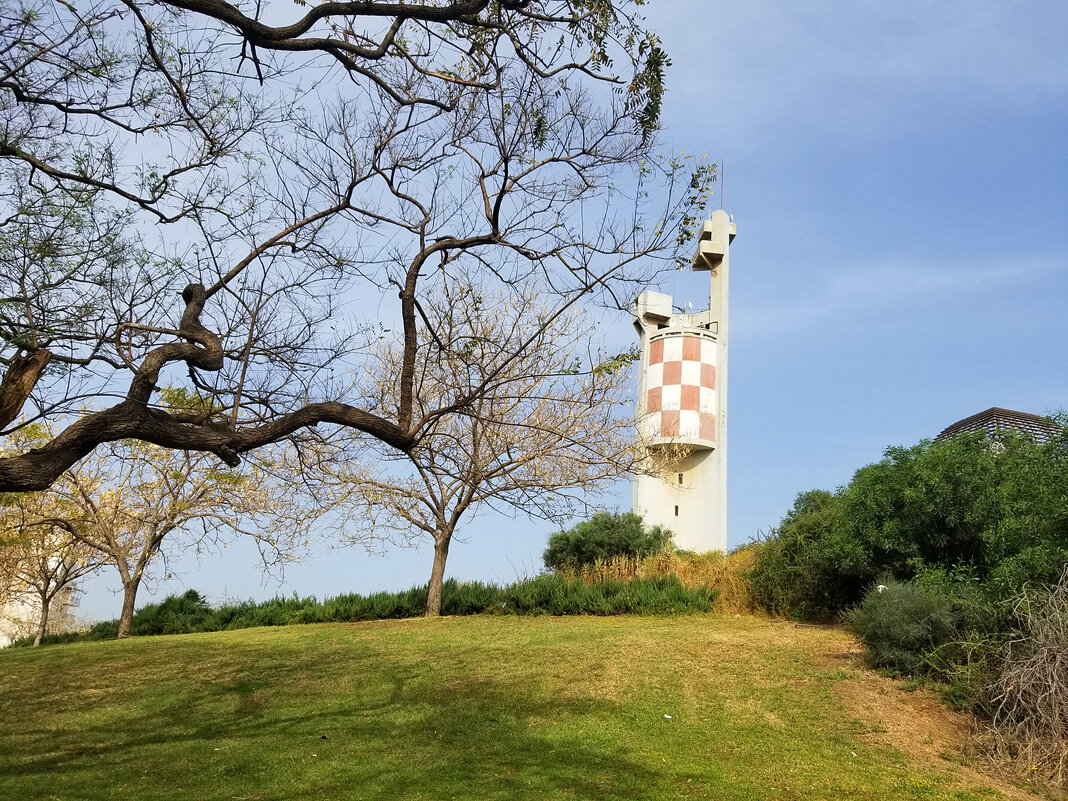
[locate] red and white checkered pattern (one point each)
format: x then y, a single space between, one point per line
680 389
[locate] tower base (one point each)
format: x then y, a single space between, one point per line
684 498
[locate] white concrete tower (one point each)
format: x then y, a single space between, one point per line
682 403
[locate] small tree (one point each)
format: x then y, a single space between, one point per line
39 559
124 500
51 559
10 557
541 429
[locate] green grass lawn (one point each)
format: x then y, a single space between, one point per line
476 707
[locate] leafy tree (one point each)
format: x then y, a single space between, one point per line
301 186
48 560
39 561
604 536
11 551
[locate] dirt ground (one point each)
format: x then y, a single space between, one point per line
917 723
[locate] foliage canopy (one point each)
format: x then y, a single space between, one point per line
988 511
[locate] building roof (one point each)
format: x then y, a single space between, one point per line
996 419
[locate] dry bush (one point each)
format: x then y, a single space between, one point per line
725 572
1028 702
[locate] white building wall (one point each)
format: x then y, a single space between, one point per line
679 500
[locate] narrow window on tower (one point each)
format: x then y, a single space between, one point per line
676 511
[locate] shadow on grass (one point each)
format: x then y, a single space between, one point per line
297 731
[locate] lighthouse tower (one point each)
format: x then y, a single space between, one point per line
682 403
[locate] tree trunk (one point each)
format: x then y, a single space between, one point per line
18 382
129 595
437 575
43 624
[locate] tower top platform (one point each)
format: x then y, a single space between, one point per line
715 236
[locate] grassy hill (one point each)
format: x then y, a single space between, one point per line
476 708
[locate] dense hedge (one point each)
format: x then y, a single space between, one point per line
995 511
544 595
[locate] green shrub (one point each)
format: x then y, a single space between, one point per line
556 595
175 614
979 609
1038 564
469 598
274 612
605 536
905 627
797 569
993 508
543 595
50 639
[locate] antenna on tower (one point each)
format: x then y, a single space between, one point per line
722 181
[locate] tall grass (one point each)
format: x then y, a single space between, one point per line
715 571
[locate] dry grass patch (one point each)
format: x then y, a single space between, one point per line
713 570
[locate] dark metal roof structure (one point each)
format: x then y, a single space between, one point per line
996 419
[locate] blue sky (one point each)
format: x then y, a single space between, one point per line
899 176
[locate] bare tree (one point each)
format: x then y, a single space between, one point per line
548 429
303 185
